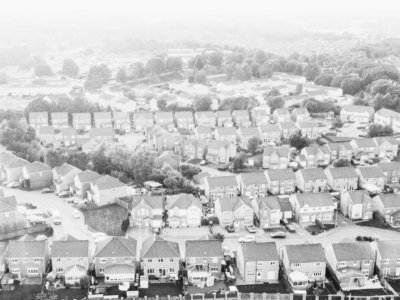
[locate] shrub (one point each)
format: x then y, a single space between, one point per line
215 220
359 239
81 206
67 286
219 236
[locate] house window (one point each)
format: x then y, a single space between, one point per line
14 261
59 270
366 263
15 271
214 269
398 261
171 270
113 260
272 263
58 260
150 271
37 260
259 264
102 260
80 259
149 260
101 270
317 274
127 259
297 265
355 262
33 271
171 260
25 260
318 264
342 264
160 260
386 261
68 259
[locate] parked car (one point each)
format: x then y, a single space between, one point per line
77 200
57 220
65 194
290 228
98 236
363 135
251 229
80 201
346 125
247 239
36 220
203 162
284 221
13 185
47 190
41 238
271 122
278 235
76 214
230 228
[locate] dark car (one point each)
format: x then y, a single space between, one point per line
47 190
284 222
278 235
290 228
65 194
230 228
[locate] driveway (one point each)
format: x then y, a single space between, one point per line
351 131
131 139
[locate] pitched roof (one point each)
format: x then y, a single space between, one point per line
183 201
382 139
259 252
156 247
109 131
163 115
64 169
87 176
307 124
285 206
25 249
222 181
315 200
204 129
240 113
70 249
314 150
359 196
155 202
281 111
69 131
280 174
313 173
146 115
118 269
59 115
288 125
390 167
305 253
116 247
37 115
339 146
358 109
68 237
253 178
209 114
46 130
387 113
107 182
279 152
183 114
353 251
204 248
269 128
102 115
223 113
361 143
300 110
216 145
249 130
371 172
342 172
81 116
389 200
17 163
389 249
231 204
226 130
272 202
8 204
36 167
120 115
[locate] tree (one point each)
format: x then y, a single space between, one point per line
253 144
142 163
360 102
266 70
299 142
202 103
200 77
235 103
351 86
189 171
238 162
290 66
37 105
323 79
97 76
298 70
375 130
174 64
260 56
342 162
84 281
70 68
247 71
55 158
43 70
215 58
312 71
337 123
299 89
80 160
162 104
101 162
272 93
136 71
275 103
121 76
94 83
255 67
125 225
155 66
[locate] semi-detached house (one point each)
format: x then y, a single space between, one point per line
314 206
143 120
63 176
357 205
357 113
270 133
82 181
342 179
387 117
38 119
372 175
280 181
340 150
311 180
387 257
82 121
146 211
102 119
275 158
36 175
386 146
184 210
391 171
221 187
234 211
253 184
364 148
104 190
267 210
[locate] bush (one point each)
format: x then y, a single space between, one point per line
81 206
67 286
219 236
205 222
50 231
214 220
76 284
359 238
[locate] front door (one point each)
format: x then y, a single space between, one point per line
161 272
271 275
386 272
258 275
184 222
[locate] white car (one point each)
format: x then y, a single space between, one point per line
13 185
41 238
247 239
77 200
346 125
76 214
98 236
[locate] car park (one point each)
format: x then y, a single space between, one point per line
230 228
278 235
65 194
290 228
13 185
247 239
251 229
47 190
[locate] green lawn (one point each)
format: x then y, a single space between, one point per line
23 292
107 219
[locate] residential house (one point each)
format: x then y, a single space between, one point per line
103 120
309 207
300 114
170 158
27 258
340 150
280 181
232 85
3 254
122 121
184 119
82 121
311 180
308 129
226 134
267 210
59 120
319 95
253 184
357 205
160 258
235 211
220 152
10 219
387 205
342 179
387 117
258 262
69 136
163 141
203 132
12 169
82 181
386 146
246 133
104 190
270 133
47 134
357 113
126 105
63 176
102 134
260 117
143 120
372 175
205 118
241 118
352 263
221 187
288 129
204 259
195 149
184 210
275 158
70 259
224 118
387 257
146 211
391 171
364 148
281 115
38 119
164 119
303 264
36 175
316 156
115 260
5 158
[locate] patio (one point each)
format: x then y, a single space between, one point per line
218 286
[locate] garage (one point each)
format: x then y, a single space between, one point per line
271 275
